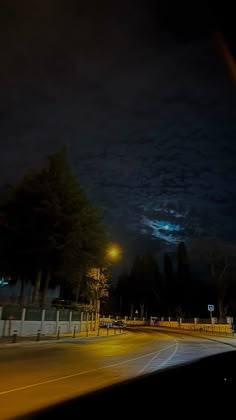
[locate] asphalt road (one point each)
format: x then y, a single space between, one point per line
36 376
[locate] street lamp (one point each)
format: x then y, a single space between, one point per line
113 252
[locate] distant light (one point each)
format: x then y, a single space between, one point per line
114 252
166 227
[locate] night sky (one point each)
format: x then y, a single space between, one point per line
141 95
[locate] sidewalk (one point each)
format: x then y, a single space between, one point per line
62 337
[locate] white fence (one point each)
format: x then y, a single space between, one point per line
27 327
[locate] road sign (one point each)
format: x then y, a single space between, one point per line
211 308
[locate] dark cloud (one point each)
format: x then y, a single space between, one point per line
142 99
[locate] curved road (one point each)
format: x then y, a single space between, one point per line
34 376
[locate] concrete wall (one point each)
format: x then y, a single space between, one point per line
7 328
210 328
218 328
49 327
31 327
172 324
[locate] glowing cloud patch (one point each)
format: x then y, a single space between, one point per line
163 229
171 227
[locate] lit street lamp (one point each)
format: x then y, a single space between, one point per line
112 253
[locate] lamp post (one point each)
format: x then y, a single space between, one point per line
113 252
97 309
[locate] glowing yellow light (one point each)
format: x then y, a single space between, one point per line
113 252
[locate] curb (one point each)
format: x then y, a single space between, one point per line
55 340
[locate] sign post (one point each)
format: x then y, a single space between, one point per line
211 309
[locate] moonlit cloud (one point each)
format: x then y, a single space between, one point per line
161 229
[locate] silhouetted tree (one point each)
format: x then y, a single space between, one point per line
51 226
122 295
169 280
220 257
183 280
142 289
153 285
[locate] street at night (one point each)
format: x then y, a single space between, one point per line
117 209
36 376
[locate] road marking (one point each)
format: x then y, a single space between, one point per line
78 373
157 354
170 357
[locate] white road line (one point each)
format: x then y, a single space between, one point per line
76 374
157 354
170 357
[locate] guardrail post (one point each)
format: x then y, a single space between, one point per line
14 337
58 333
57 319
43 320
70 320
87 327
81 321
74 331
38 335
22 320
